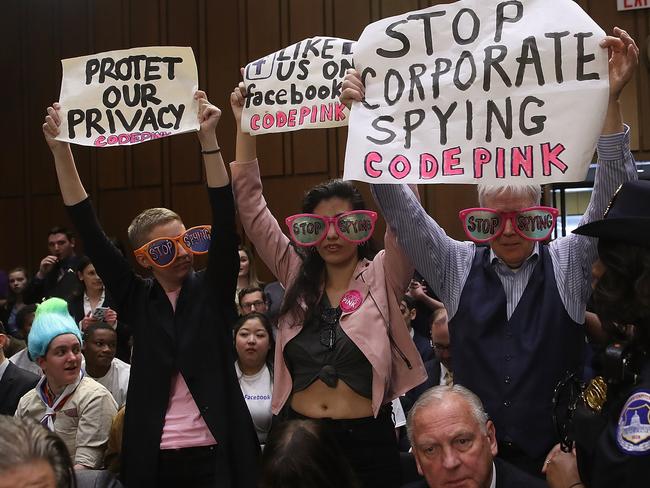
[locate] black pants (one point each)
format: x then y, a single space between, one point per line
193 466
370 446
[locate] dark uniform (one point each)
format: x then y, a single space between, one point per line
613 448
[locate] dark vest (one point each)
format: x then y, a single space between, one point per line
514 365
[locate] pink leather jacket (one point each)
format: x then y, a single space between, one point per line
376 327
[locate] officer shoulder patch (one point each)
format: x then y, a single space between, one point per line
633 429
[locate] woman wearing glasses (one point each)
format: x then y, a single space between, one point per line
343 350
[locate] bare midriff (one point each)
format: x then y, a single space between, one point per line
341 402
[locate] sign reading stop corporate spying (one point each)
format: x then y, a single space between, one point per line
129 96
479 91
297 87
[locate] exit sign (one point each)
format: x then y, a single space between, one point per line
633 4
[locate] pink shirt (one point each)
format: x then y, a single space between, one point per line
184 426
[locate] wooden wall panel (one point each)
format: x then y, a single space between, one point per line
224 36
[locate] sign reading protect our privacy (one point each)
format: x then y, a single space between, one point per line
297 87
129 96
479 91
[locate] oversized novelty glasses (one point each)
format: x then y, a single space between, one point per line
310 229
486 224
162 252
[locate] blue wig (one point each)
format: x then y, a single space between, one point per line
52 319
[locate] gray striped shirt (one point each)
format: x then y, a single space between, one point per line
445 263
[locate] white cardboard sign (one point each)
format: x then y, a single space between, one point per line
479 91
297 87
129 96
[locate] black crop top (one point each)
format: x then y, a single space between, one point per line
323 351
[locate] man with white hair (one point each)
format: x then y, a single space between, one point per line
516 306
454 443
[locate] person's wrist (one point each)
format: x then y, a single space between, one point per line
576 484
208 141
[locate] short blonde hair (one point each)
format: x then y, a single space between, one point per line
142 225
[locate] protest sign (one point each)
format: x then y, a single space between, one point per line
500 92
129 96
297 87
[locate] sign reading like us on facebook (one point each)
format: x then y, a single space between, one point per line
127 97
297 87
479 91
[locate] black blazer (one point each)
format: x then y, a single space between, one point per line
508 476
433 379
195 340
55 284
13 385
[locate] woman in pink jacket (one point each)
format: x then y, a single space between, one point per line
343 351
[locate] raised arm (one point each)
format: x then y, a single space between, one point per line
573 255
223 258
72 190
109 262
261 227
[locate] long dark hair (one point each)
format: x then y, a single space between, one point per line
622 294
311 274
269 330
302 453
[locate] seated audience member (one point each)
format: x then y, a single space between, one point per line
66 401
274 293
83 307
425 304
56 276
408 308
187 423
247 277
114 449
24 320
14 381
17 285
454 443
438 368
100 344
254 366
252 299
31 456
304 453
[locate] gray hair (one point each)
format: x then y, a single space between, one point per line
532 192
24 441
439 394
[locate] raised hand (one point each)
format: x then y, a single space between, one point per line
51 128
237 101
208 116
623 60
352 88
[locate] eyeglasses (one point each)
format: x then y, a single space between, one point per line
486 224
440 347
162 252
253 305
310 229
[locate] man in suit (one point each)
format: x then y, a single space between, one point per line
56 276
409 311
454 443
14 381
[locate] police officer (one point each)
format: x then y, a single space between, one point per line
611 424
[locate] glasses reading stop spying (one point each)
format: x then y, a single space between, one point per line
486 224
163 251
308 230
